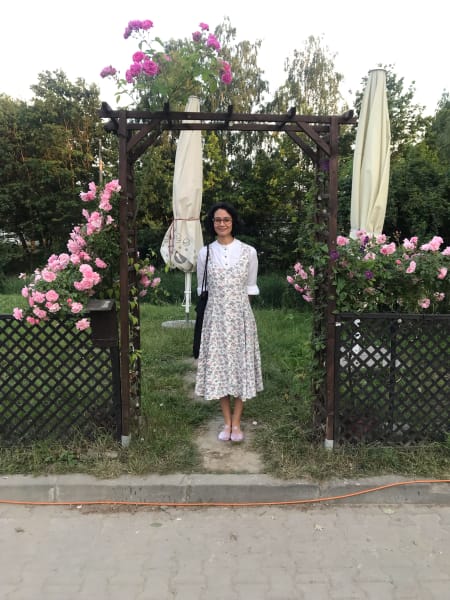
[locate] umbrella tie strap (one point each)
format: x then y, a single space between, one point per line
171 244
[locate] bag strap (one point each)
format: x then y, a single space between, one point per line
205 272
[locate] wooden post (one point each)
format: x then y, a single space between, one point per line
331 303
124 291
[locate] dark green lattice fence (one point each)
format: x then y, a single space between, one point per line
392 378
55 382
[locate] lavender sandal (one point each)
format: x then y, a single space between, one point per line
236 435
225 434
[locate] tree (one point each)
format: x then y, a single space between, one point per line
312 83
50 147
437 135
11 165
154 182
72 107
419 199
246 91
419 195
407 121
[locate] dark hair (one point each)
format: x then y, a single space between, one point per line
209 223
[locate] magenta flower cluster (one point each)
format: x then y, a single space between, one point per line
372 273
136 26
149 63
69 279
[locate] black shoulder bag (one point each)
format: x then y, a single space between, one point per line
200 309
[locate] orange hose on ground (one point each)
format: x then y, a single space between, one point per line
228 504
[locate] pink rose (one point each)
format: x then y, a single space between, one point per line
412 267
100 263
388 249
409 244
40 314
213 42
76 307
433 245
342 241
48 276
226 77
52 296
53 307
38 297
82 324
18 314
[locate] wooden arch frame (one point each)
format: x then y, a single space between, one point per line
137 130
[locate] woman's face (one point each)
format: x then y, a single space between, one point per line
223 223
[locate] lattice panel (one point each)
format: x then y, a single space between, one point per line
54 382
392 378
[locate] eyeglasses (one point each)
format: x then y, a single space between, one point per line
225 220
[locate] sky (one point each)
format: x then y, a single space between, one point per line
82 37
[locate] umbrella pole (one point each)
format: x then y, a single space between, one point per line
187 294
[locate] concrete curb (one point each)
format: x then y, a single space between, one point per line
229 488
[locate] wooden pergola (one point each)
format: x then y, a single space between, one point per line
137 130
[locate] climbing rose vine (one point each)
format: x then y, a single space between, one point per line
373 274
90 267
170 71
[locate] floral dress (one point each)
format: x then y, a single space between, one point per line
229 362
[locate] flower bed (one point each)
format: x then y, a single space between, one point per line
373 274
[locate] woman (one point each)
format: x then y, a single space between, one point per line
229 363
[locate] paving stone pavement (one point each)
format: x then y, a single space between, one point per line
317 552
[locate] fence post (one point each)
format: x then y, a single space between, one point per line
105 334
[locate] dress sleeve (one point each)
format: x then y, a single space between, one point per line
252 288
201 260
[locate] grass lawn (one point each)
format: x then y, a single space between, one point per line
162 438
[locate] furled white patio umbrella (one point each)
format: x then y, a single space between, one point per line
184 238
371 160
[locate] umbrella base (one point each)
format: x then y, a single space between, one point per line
179 324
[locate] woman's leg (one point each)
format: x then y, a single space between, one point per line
237 413
225 405
236 433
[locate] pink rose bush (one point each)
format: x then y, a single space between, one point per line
373 274
90 267
170 71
